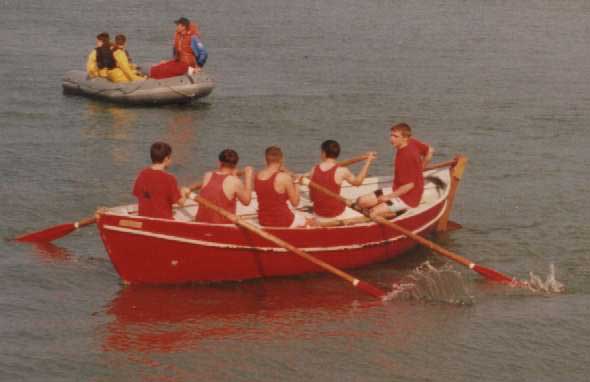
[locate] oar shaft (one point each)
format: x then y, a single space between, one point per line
86 221
434 166
425 242
354 160
486 272
281 243
397 227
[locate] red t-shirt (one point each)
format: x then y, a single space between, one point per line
156 191
408 169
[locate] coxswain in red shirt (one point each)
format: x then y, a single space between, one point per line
157 190
223 188
328 174
408 180
274 188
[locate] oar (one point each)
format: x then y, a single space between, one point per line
488 273
55 232
362 285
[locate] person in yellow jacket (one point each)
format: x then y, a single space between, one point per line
124 71
100 60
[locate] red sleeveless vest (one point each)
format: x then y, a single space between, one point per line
272 206
324 205
213 192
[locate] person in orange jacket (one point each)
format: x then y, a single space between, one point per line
189 52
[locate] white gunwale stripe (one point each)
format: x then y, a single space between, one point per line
263 249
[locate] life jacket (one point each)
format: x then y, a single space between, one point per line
272 206
324 205
213 192
104 57
182 45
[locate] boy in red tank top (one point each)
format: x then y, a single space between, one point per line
274 187
156 190
223 188
408 180
329 175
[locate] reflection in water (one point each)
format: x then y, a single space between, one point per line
169 319
121 121
51 252
180 134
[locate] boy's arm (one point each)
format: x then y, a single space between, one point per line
428 157
291 188
244 190
360 177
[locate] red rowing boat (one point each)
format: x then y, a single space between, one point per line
160 251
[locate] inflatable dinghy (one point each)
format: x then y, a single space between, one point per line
180 89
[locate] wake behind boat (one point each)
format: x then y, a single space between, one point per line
179 89
162 251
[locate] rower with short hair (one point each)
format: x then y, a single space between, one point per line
330 175
223 188
274 187
157 190
406 191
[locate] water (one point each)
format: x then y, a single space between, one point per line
504 83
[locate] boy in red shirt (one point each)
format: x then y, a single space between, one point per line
330 175
274 188
408 181
224 188
155 189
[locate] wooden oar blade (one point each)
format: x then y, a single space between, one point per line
48 234
370 289
493 275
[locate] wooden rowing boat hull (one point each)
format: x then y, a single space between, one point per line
159 251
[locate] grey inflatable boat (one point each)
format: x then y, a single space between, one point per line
180 89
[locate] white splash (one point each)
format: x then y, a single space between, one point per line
550 285
427 283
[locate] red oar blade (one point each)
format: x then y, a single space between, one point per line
493 275
370 289
453 226
48 234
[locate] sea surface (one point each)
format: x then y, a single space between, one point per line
506 83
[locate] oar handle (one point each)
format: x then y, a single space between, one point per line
449 163
353 160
